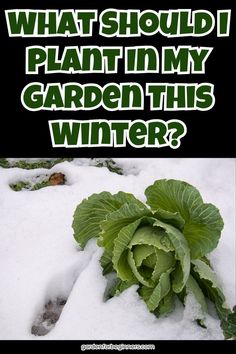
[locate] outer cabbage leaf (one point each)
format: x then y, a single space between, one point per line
106 262
228 325
193 288
207 276
119 286
90 212
121 254
118 219
203 222
210 286
175 219
166 305
155 295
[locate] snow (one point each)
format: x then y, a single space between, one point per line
40 261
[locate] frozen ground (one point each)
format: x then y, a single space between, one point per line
40 261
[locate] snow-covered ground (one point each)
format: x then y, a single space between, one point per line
40 261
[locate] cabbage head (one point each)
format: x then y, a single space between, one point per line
160 246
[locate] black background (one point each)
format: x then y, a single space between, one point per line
161 346
26 134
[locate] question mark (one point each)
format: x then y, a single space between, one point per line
177 130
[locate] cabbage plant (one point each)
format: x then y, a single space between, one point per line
161 246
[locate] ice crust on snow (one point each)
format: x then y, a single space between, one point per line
40 261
